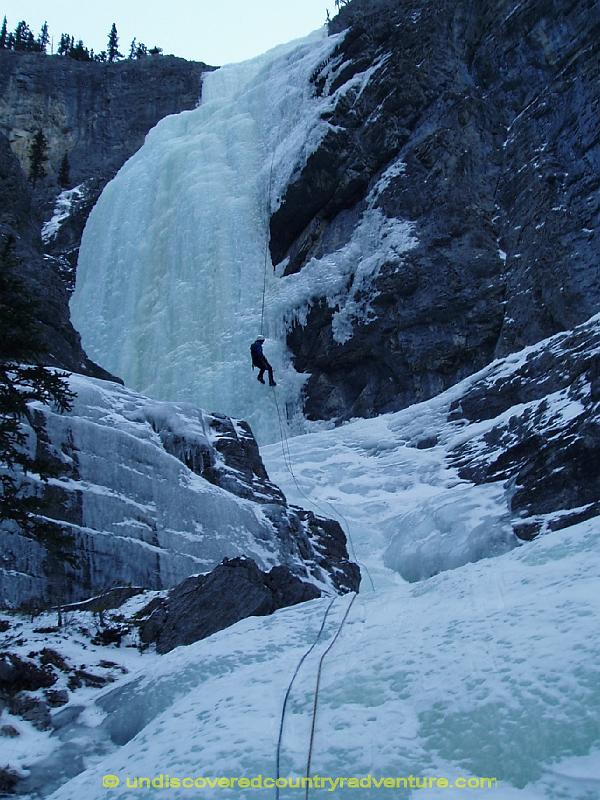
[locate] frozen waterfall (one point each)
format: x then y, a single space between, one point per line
172 262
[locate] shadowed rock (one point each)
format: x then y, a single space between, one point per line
205 604
487 115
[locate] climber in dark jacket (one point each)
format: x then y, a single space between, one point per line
259 360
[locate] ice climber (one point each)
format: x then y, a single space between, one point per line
259 360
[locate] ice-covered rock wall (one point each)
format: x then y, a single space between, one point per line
175 254
147 493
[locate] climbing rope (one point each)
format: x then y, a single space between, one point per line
316 695
288 463
317 686
264 292
287 459
287 695
285 447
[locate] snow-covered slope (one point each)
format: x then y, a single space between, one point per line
502 456
488 670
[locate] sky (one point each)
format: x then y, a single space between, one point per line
214 31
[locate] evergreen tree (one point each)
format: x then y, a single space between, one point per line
141 50
80 52
38 155
101 56
22 34
3 34
133 48
64 173
64 45
10 41
113 45
43 38
155 51
22 380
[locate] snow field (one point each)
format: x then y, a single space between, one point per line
486 670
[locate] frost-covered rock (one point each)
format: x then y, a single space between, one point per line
540 431
147 493
66 201
204 604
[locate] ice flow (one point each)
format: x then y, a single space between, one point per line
172 262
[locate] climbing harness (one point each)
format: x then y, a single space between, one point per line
288 691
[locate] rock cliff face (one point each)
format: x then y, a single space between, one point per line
478 124
204 604
19 220
145 494
544 441
97 115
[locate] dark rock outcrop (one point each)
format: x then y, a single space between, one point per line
205 604
97 113
106 601
56 698
31 709
8 781
231 460
487 115
18 674
18 678
46 289
545 441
